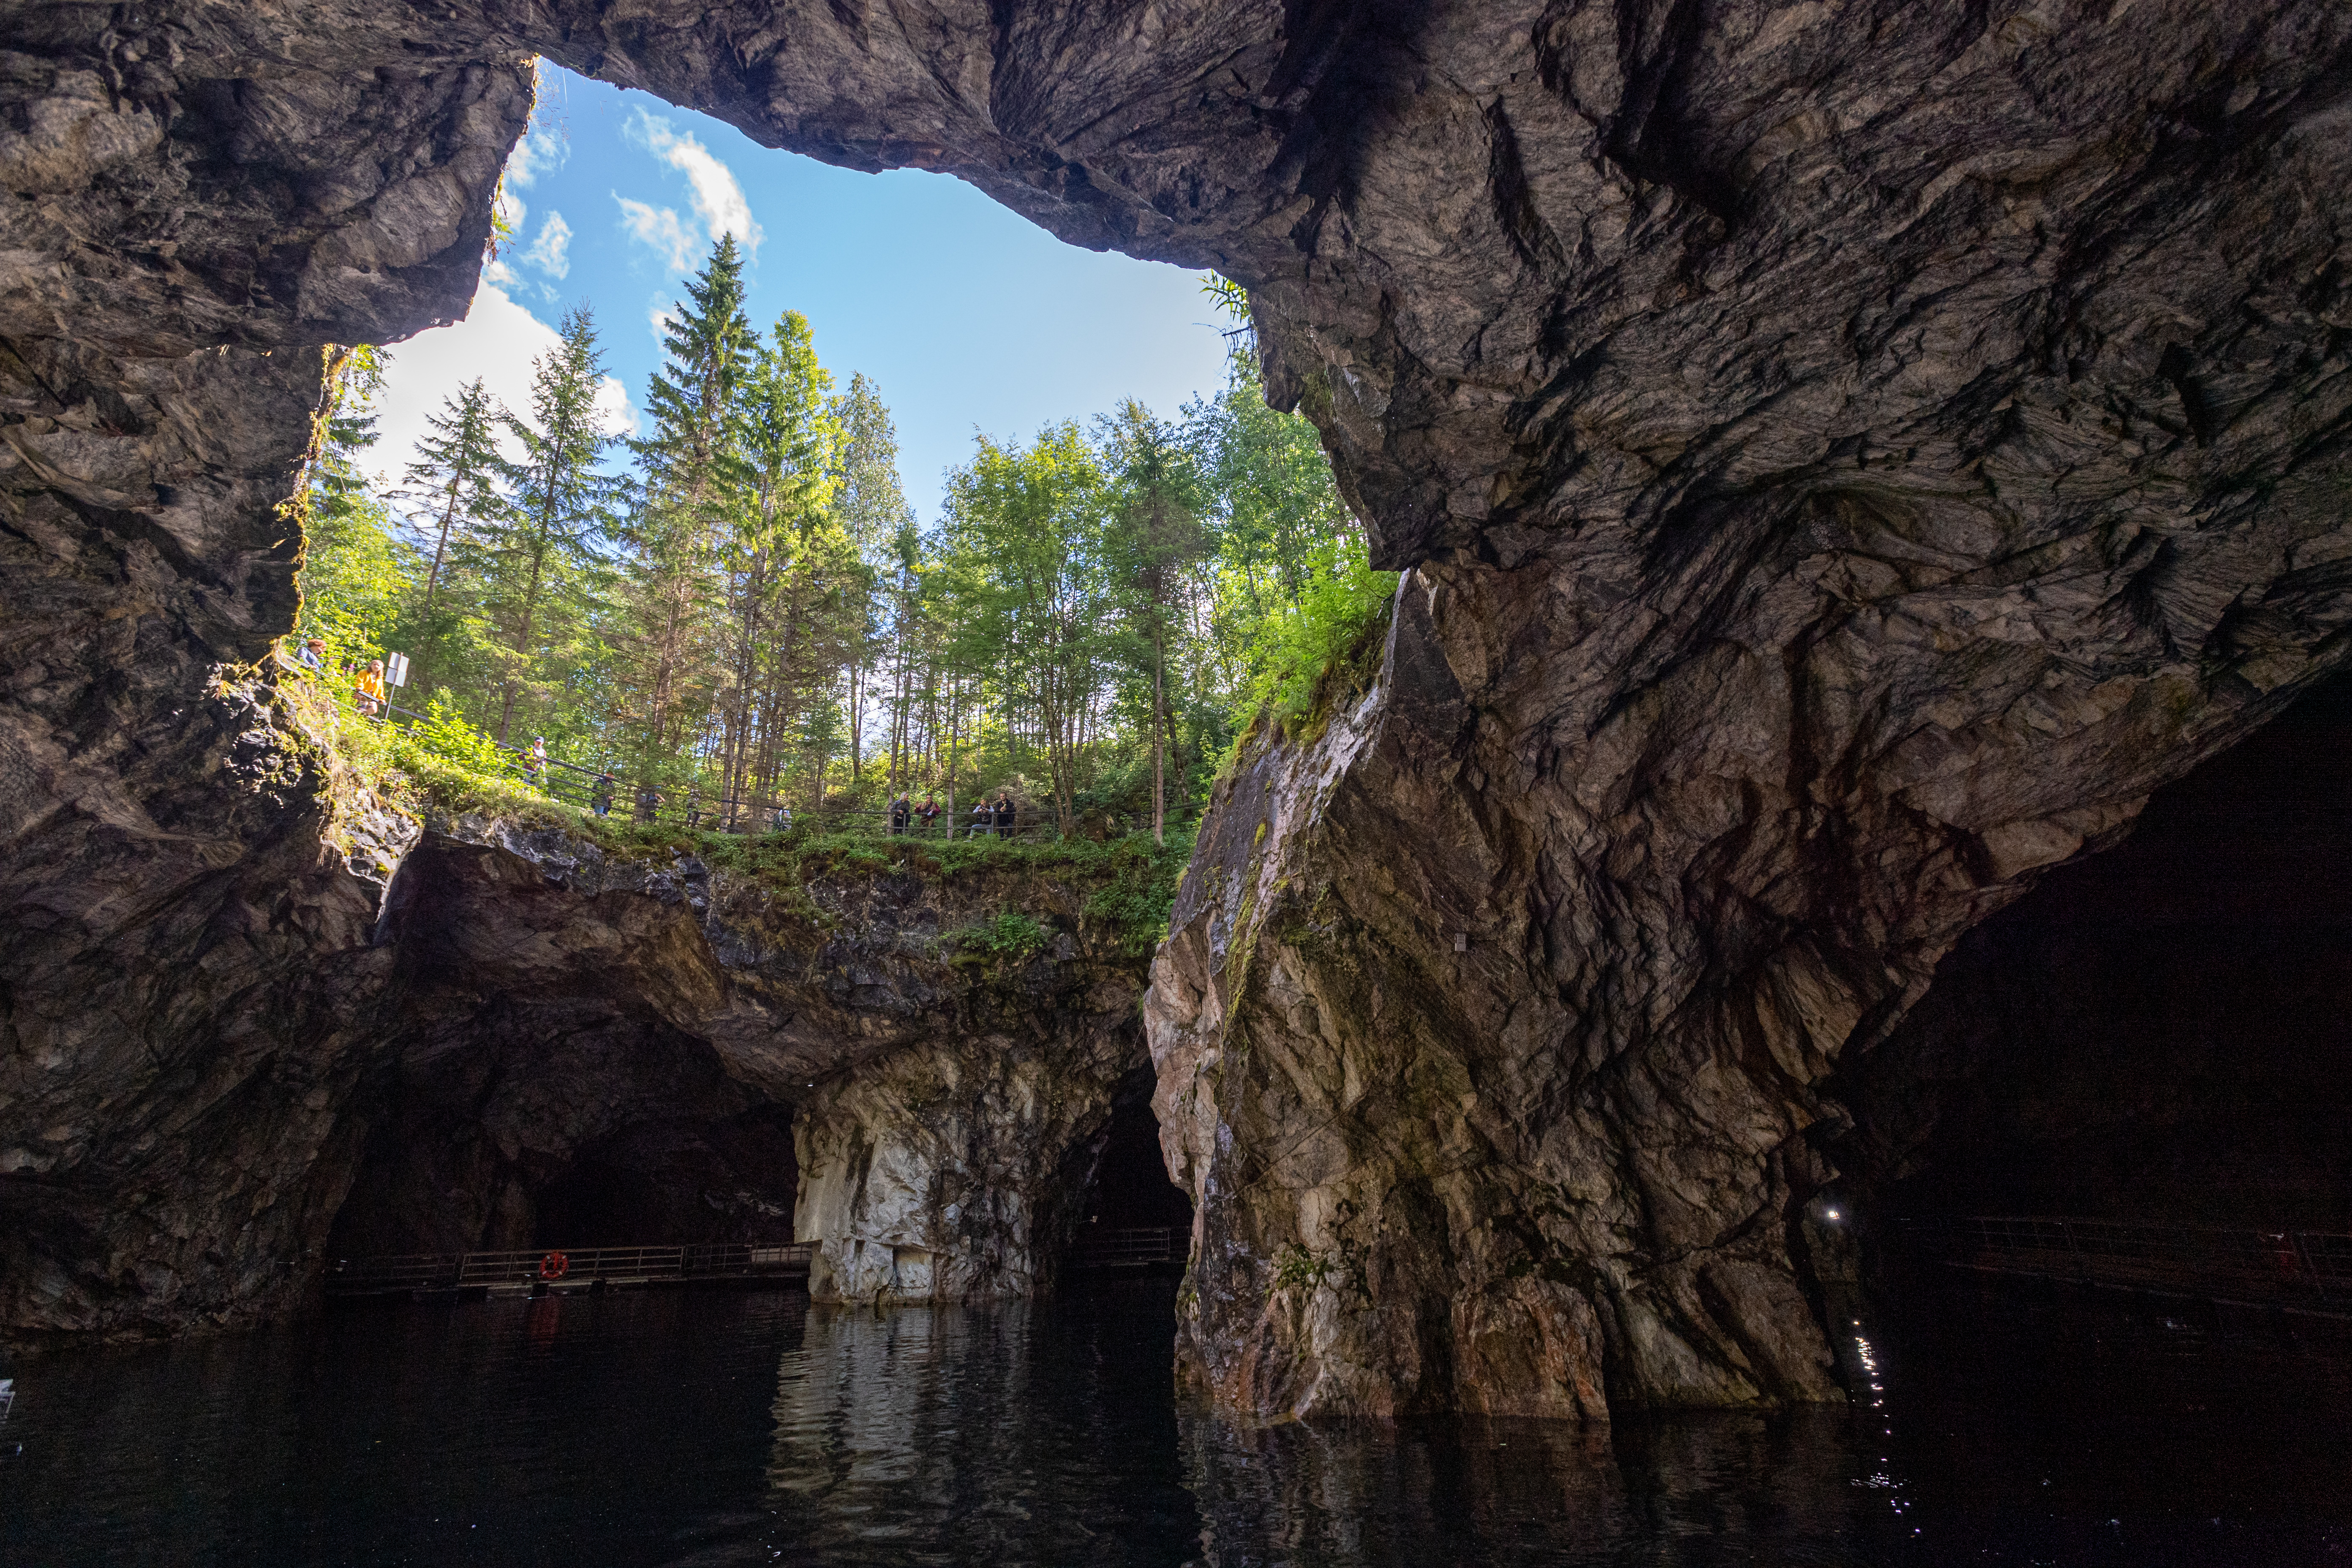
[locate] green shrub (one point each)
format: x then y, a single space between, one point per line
1134 906
1009 938
444 733
1306 658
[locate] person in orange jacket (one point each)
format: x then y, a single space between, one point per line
370 688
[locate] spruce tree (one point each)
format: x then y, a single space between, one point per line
872 508
789 451
455 481
694 491
538 558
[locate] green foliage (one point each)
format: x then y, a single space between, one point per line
538 563
1011 937
356 574
1309 650
445 735
1135 905
755 616
1295 1268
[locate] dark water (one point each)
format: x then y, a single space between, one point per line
745 1428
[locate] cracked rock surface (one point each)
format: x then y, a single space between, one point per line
1848 455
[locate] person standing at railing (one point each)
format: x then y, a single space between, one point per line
602 800
1005 814
982 819
929 813
901 811
368 693
649 802
536 764
781 819
312 655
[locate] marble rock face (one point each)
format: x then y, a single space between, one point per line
1846 456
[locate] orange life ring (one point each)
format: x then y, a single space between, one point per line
554 1265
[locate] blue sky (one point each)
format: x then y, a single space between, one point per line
965 315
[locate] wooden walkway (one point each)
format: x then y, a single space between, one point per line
1138 1248
543 1270
2297 1270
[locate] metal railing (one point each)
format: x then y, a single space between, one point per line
1135 1246
2282 1266
729 815
582 1266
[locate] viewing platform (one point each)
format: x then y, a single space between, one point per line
2291 1270
1135 1249
554 1270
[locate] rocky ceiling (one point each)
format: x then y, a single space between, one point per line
1851 452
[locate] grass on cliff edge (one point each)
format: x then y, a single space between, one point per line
1130 882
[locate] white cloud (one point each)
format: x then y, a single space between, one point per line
497 340
551 252
511 209
660 317
672 238
617 415
719 199
538 151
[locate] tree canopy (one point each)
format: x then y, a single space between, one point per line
747 613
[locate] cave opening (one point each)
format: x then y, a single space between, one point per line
676 1180
1130 1187
2155 1035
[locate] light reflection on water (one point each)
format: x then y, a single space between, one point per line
723 1428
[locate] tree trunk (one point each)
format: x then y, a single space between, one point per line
1159 770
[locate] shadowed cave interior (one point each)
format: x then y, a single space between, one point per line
1128 1186
538 1133
2157 1033
565 1132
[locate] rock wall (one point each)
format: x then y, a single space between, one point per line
500 1034
814 1059
1847 455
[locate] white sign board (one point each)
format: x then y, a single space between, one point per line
395 669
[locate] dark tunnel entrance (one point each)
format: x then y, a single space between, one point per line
2155 1035
2112 1135
535 1134
1128 1215
677 1182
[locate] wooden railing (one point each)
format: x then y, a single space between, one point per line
2282 1267
1134 1248
565 1267
582 786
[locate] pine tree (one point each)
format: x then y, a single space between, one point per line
356 572
454 479
694 491
1157 535
537 559
790 449
873 509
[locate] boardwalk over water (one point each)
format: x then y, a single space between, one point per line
543 1270
1135 1248
2290 1270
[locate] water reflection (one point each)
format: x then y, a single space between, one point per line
1010 1435
724 1429
1705 1490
